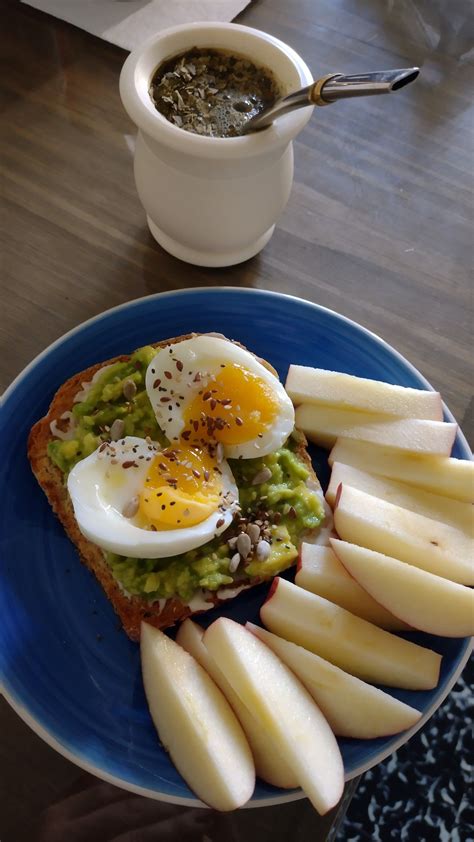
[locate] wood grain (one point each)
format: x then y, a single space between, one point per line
378 226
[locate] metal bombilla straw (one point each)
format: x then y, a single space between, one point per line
333 87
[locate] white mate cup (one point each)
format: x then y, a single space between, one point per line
212 201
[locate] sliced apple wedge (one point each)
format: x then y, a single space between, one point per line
320 571
283 707
269 764
452 512
362 519
439 474
324 424
352 707
354 645
195 723
317 385
429 603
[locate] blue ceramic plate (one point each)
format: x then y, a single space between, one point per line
67 669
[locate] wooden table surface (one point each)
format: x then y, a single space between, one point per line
378 226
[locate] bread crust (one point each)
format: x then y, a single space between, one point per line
131 609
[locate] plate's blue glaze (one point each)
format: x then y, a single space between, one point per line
66 667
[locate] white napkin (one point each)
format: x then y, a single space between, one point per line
128 23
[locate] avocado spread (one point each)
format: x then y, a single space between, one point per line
283 500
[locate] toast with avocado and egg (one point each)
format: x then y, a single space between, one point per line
178 474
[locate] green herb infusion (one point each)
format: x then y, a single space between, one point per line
212 92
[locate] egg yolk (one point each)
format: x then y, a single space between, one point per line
234 407
182 488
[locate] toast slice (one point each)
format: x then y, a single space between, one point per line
131 609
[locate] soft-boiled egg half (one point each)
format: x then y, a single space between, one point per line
132 498
207 389
212 399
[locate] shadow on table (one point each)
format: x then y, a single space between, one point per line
161 271
95 811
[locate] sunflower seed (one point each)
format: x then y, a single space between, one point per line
117 429
253 531
232 542
244 544
219 453
263 476
131 508
263 550
129 390
234 563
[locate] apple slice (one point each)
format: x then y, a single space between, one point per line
317 385
362 519
323 424
452 512
352 707
320 571
439 474
269 764
283 707
195 723
429 603
354 645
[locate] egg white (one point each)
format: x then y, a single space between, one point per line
100 490
175 368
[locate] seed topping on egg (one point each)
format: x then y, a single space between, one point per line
128 491
218 394
131 508
213 401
